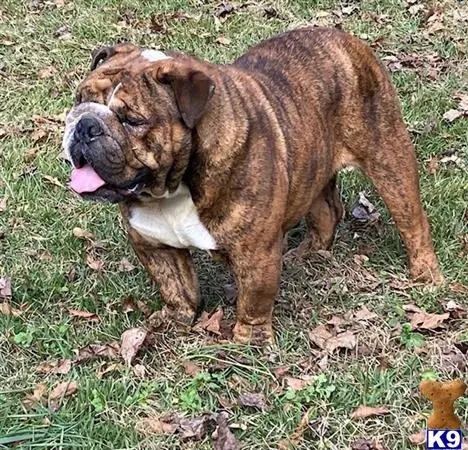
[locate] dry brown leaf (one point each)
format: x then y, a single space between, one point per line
336 321
131 342
37 396
295 439
223 40
225 439
452 114
364 314
152 425
94 351
366 444
64 389
298 384
426 321
125 265
139 370
82 314
342 340
458 288
94 263
39 135
82 234
8 310
418 438
364 411
5 287
319 335
433 165
254 400
463 105
114 367
3 204
47 72
363 211
210 323
59 367
128 305
454 309
191 369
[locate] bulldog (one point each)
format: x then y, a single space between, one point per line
227 158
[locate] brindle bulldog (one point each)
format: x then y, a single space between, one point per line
227 158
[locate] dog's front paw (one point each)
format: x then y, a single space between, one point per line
253 334
180 319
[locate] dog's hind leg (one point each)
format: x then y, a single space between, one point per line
322 219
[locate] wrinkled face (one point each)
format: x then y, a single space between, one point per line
129 133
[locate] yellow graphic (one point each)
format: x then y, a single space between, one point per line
443 395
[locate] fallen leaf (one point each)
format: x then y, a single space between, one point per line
366 444
454 309
63 33
82 314
3 204
342 340
5 287
223 40
39 135
224 9
364 314
418 438
319 335
94 263
225 439
458 288
432 165
64 389
152 425
196 428
114 367
452 114
364 211
411 307
426 321
191 369
82 234
95 351
125 265
210 323
336 322
131 342
139 370
364 411
47 72
454 159
415 9
348 10
295 439
254 400
31 400
59 367
128 305
8 310
463 105
281 372
297 384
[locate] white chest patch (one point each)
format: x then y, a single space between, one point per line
173 221
154 55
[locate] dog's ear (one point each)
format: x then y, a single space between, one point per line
192 90
101 54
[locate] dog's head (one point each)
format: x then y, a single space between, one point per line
130 131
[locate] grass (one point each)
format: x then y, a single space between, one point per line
38 249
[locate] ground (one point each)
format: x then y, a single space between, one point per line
55 267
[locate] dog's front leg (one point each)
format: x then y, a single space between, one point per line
257 272
173 271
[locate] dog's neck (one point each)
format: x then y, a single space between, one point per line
209 168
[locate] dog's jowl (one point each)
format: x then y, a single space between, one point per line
227 158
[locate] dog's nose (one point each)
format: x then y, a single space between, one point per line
88 128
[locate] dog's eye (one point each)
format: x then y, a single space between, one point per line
132 121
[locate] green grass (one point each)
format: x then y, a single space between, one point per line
38 249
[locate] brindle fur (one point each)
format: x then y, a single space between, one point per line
283 119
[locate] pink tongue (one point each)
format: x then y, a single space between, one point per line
85 180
